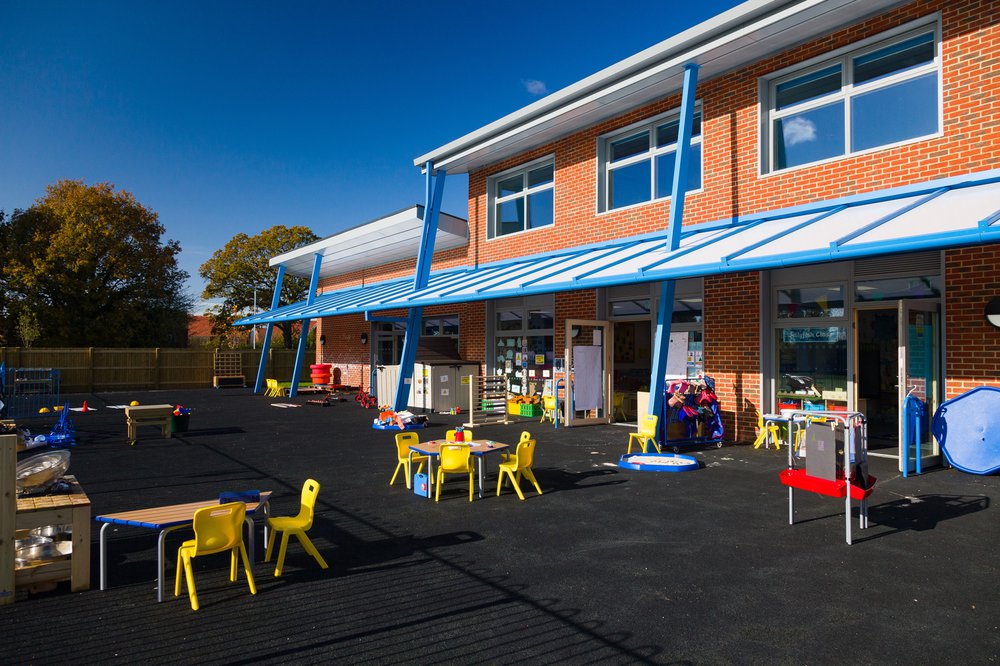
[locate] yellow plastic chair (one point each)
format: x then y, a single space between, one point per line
619 406
548 408
525 436
216 529
273 390
455 458
770 432
404 441
518 464
297 525
450 435
645 436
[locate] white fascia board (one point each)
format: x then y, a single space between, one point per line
387 239
658 70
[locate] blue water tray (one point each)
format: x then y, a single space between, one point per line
968 429
658 462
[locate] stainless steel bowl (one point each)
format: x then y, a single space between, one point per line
39 472
55 532
38 551
29 541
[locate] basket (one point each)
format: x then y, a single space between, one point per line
532 411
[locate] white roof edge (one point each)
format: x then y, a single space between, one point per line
446 221
729 20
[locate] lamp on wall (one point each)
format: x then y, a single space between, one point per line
322 340
364 338
993 312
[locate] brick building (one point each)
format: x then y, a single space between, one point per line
837 216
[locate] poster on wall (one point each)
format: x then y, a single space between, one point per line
677 355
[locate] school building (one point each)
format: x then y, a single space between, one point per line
797 198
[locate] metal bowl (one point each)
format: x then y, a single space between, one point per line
39 472
29 541
55 532
39 551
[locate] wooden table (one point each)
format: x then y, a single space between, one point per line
166 519
477 447
154 415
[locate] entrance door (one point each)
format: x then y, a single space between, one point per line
588 360
920 371
876 376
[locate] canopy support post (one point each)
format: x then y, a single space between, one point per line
414 320
304 334
265 348
664 317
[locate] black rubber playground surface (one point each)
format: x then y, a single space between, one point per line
608 566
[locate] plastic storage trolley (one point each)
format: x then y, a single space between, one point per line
833 446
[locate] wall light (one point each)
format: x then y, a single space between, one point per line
993 312
364 338
322 339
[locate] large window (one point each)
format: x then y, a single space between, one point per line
881 95
524 342
637 164
523 199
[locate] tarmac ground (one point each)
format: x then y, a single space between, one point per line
607 566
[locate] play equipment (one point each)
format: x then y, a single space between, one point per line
228 370
836 461
914 415
320 373
25 392
63 434
658 462
968 429
390 420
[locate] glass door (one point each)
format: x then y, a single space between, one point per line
920 373
588 359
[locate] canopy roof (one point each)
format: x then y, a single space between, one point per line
938 214
391 238
728 41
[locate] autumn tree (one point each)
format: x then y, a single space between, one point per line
89 263
241 268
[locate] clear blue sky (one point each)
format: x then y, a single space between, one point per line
235 116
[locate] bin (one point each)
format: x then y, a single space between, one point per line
179 423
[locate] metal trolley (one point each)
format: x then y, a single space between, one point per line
834 447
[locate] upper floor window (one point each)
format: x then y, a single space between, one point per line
637 164
522 199
878 96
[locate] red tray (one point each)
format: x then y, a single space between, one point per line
797 478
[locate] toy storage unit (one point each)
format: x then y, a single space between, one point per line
228 370
437 385
25 513
831 459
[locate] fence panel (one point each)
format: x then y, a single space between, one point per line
86 370
186 368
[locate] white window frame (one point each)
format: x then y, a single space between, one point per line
494 201
604 157
848 90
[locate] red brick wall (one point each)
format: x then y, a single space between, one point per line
572 305
972 278
732 349
732 186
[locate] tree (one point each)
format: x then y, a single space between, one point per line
27 328
89 262
241 268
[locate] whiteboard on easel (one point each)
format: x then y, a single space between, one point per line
677 351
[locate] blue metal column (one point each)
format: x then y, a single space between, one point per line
266 346
414 320
310 298
678 190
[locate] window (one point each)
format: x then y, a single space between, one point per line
523 199
807 302
524 342
441 326
637 164
868 98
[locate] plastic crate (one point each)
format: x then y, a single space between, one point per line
533 411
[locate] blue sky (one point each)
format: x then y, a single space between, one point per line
235 116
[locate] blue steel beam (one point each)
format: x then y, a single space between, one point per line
266 346
433 192
664 318
304 334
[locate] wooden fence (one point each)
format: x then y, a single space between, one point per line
99 369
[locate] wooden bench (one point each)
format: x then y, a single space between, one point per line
148 415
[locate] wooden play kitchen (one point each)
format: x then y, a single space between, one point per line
18 515
148 415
